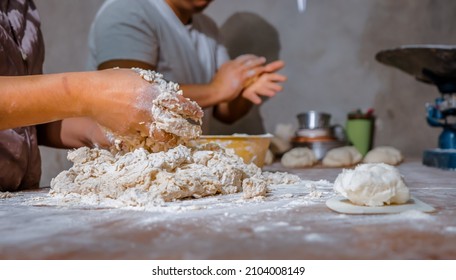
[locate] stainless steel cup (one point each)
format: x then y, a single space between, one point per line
313 120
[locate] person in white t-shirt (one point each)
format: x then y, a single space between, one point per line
174 38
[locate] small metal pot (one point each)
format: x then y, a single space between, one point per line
320 148
313 120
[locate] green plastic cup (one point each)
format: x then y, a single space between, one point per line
359 133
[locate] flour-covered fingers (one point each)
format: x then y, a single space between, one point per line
183 106
161 136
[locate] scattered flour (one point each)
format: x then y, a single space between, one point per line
450 229
315 237
411 215
6 195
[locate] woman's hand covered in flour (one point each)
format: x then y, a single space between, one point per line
233 76
121 101
267 84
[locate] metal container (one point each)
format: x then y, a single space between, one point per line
320 148
314 120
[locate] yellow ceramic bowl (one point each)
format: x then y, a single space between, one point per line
251 148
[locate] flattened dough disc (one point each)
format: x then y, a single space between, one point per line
343 205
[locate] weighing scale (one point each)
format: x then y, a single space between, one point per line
432 64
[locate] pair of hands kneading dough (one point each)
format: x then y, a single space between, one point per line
174 118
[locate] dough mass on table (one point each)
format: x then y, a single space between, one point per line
142 178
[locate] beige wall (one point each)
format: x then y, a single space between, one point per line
329 50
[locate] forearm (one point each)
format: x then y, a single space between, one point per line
49 134
72 133
31 100
229 112
119 100
205 95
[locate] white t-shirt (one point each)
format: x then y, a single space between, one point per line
149 31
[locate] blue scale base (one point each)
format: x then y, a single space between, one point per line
440 158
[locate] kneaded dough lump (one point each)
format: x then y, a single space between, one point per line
141 178
343 156
372 184
299 157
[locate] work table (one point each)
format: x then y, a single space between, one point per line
288 224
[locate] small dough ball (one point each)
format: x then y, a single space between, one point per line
268 158
385 154
372 184
284 131
343 156
299 157
279 146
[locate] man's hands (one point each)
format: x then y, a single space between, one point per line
232 76
266 84
258 80
249 77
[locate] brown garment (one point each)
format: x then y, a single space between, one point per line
21 53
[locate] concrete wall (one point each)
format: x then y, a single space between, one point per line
329 50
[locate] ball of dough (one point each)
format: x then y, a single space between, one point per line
279 146
385 154
343 156
268 158
299 157
372 184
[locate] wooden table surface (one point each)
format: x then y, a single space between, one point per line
288 224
